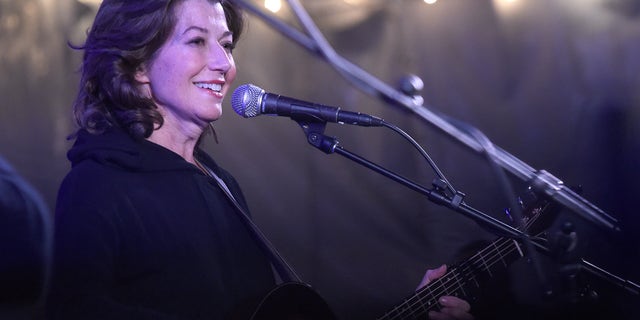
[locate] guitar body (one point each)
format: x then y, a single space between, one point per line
293 301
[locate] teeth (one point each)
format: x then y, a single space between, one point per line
210 86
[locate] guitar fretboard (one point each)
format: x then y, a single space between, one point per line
459 279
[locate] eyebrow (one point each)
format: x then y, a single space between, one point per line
205 30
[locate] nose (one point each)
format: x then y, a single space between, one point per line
220 58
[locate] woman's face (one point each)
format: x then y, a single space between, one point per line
193 70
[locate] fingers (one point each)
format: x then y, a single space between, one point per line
452 308
432 274
450 314
454 303
436 273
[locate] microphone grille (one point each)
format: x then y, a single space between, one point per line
246 100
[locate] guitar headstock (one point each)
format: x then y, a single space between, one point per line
537 211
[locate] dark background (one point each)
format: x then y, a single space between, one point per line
553 82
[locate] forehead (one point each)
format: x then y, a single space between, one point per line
202 13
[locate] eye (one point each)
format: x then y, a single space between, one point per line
199 41
229 46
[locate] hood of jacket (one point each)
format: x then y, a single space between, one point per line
116 148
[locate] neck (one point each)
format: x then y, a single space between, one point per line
182 142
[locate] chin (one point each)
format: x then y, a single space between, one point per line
213 114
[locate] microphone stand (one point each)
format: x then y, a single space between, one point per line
316 137
329 145
541 180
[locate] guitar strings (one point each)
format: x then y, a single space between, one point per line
452 284
447 286
444 285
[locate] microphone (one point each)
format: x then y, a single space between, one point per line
249 101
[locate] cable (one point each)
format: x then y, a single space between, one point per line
423 153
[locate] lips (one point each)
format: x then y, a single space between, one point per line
216 87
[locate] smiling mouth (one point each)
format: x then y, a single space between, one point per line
209 86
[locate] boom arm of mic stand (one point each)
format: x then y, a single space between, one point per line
330 145
630 286
542 180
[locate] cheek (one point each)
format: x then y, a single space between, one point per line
169 76
164 86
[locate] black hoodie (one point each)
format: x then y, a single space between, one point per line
142 234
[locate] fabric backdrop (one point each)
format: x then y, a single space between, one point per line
552 82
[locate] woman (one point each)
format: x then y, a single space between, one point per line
143 229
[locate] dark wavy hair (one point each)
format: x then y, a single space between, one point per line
126 34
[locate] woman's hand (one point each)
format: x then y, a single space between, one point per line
451 308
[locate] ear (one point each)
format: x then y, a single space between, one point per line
142 75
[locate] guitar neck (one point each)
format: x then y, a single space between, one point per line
459 280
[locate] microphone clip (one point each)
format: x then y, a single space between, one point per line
314 130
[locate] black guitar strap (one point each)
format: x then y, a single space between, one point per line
285 271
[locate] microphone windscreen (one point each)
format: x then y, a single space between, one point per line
246 100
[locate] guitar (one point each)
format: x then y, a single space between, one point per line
299 301
463 278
